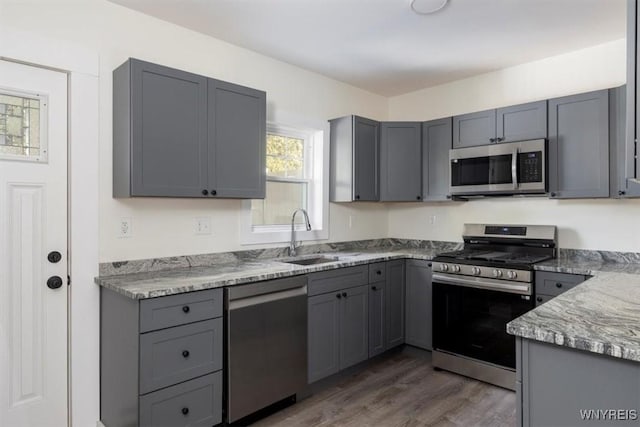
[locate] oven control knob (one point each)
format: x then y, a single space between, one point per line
497 273
475 271
456 268
512 274
444 267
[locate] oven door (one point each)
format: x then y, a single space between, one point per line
513 168
471 321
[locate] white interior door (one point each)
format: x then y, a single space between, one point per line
33 223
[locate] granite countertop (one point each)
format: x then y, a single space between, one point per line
601 315
179 280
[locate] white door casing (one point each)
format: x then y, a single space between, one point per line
33 222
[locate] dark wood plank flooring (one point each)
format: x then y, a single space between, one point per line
401 389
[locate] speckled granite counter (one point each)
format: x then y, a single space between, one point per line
601 315
168 276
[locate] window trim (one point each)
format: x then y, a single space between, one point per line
316 134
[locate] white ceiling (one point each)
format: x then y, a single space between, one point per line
383 47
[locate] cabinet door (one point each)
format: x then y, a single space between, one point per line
168 131
395 302
436 143
377 303
474 129
237 141
366 146
354 325
522 122
579 146
400 161
418 304
323 335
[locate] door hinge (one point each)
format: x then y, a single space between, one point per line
68 280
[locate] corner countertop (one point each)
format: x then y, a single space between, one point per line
179 280
601 315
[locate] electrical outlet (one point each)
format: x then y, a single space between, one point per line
432 219
125 228
202 225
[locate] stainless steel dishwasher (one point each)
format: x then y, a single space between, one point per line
266 344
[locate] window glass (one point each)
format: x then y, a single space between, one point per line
20 127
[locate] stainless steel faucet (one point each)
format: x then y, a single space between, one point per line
293 245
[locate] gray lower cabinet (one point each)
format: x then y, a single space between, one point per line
354 159
557 386
338 320
418 304
436 143
394 304
474 129
400 162
550 284
161 359
178 134
579 146
377 320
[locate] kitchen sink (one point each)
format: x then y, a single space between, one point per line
312 261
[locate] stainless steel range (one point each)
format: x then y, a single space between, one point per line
478 290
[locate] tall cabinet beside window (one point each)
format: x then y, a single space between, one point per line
355 165
178 134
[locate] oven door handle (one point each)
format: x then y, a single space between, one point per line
514 168
521 288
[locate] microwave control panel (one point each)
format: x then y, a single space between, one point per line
530 167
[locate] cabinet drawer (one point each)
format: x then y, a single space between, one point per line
377 272
541 299
174 310
556 283
334 280
194 403
178 354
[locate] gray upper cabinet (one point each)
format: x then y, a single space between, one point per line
394 304
436 143
178 134
400 162
579 146
629 163
521 122
354 159
418 304
508 124
474 129
237 140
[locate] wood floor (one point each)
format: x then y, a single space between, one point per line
401 390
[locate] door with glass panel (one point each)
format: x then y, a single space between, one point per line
33 246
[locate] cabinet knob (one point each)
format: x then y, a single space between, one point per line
558 285
499 139
621 193
205 192
338 296
418 197
185 410
492 140
375 288
553 194
344 294
214 192
185 354
539 299
186 309
357 197
429 264
379 272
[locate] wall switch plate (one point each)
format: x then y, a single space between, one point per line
202 225
125 228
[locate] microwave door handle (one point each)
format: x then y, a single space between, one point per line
514 168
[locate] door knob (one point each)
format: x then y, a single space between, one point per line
54 282
54 257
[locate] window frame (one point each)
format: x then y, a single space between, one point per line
316 159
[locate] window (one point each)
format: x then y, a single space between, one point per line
22 126
295 166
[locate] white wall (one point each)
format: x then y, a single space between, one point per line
585 224
164 227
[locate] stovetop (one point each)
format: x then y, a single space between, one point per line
497 257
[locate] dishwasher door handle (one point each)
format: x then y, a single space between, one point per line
268 297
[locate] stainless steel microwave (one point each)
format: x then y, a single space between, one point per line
499 169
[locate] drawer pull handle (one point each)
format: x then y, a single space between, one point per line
186 309
185 354
558 285
185 410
